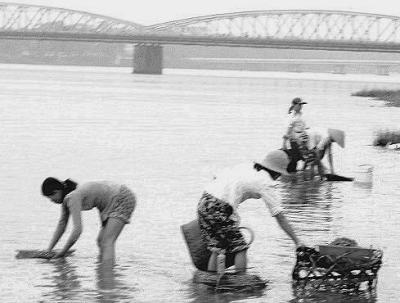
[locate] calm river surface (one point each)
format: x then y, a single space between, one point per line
164 136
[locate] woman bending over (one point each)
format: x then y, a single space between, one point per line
218 207
115 203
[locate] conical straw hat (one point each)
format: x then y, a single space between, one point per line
277 161
337 136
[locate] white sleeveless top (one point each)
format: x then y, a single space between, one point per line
242 182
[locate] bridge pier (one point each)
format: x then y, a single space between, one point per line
147 59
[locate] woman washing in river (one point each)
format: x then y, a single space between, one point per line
217 209
115 203
320 143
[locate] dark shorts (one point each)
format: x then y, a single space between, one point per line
299 151
218 229
312 155
294 155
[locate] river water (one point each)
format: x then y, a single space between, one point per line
164 136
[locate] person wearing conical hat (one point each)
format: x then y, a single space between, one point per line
320 141
217 210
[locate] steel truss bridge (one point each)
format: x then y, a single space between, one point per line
296 29
332 30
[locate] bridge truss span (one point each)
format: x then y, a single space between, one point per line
298 25
15 17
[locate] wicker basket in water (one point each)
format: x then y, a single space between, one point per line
346 267
198 248
228 281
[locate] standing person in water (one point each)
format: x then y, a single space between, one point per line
295 134
115 203
217 208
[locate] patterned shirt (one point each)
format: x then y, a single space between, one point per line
242 182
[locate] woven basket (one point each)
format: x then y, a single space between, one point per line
198 248
344 266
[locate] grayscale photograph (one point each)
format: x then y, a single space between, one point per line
200 151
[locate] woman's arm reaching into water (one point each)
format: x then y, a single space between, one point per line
284 224
60 229
75 212
330 158
272 202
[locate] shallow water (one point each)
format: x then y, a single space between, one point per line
164 136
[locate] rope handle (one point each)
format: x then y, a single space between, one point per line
250 231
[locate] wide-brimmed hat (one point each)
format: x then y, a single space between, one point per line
298 100
277 161
337 136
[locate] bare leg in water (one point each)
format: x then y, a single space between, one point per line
212 262
99 239
240 261
107 238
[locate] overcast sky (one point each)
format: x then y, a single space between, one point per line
149 12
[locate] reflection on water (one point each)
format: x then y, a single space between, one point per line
66 285
309 204
63 279
111 286
320 296
314 204
201 293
